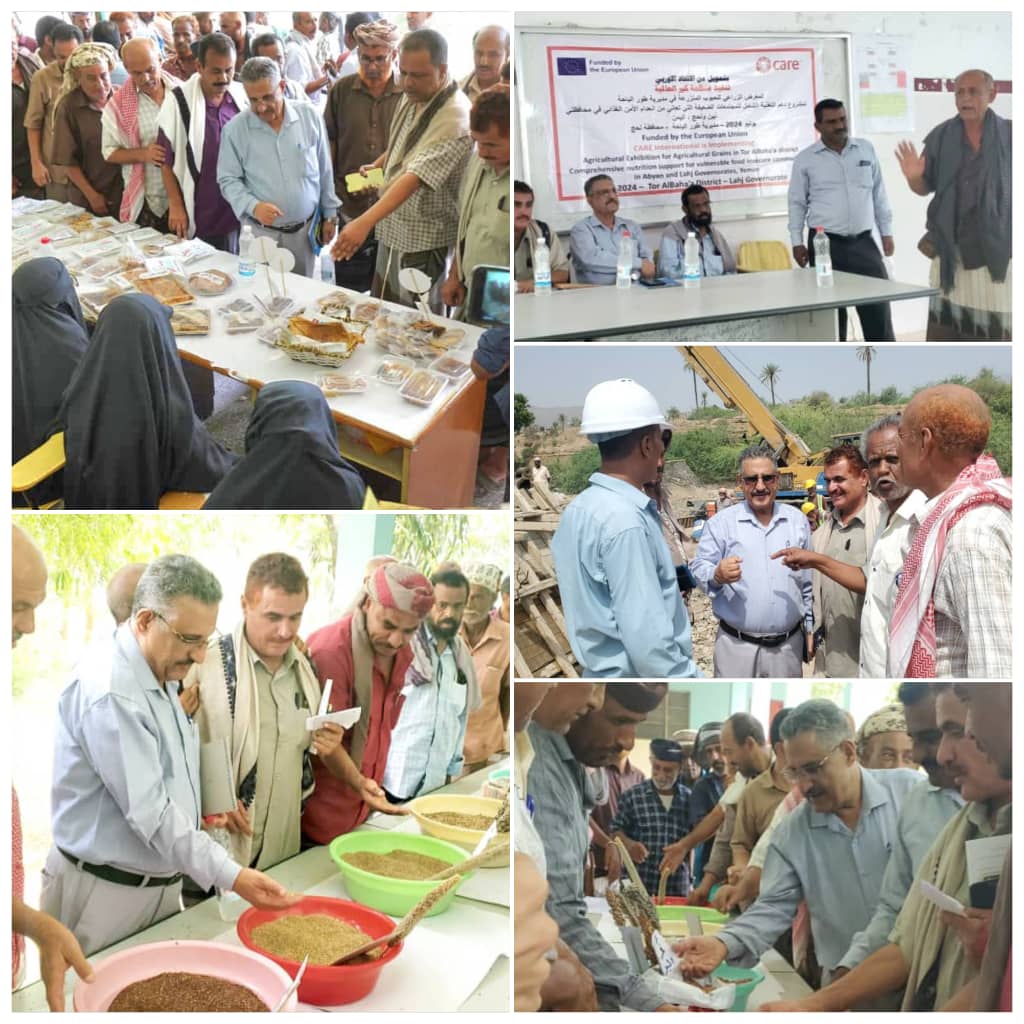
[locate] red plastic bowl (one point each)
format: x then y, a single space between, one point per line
327 986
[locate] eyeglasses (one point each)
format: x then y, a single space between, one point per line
808 771
188 641
768 478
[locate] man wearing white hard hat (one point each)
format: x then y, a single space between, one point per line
620 594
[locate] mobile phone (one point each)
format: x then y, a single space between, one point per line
658 282
489 296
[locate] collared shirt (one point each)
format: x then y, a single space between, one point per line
618 585
358 128
815 857
595 248
524 834
484 226
563 798
617 779
301 64
78 143
756 809
926 811
126 771
471 86
671 258
880 571
707 791
842 192
486 732
290 168
334 808
839 610
180 69
43 94
768 598
642 816
426 745
525 248
113 138
276 832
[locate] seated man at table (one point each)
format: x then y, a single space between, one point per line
594 241
716 257
528 233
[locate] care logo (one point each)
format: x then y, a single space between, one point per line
763 65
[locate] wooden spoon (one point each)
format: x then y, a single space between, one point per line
497 846
404 926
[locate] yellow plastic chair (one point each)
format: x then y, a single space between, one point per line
757 256
40 464
177 500
371 502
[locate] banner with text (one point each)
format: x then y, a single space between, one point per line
657 120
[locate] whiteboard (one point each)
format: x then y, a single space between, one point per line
536 142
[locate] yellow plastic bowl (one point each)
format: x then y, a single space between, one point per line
441 802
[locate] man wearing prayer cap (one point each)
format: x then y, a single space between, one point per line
364 657
883 740
654 814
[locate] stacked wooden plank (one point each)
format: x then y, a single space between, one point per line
541 650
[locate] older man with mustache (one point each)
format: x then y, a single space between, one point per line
594 241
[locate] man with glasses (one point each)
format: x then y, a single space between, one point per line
126 801
594 241
831 851
765 612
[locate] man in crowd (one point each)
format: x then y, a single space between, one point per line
725 499
58 948
654 814
764 611
527 232
106 32
831 851
350 64
183 65
130 125
121 590
620 594
40 116
233 25
84 22
301 61
594 241
126 760
705 794
190 132
258 689
491 47
836 183
24 66
489 642
618 776
274 167
207 21
358 116
269 45
417 212
482 238
125 23
883 740
952 614
539 473
968 163
716 256
366 654
94 184
440 692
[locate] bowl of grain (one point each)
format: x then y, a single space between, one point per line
324 929
387 870
204 977
457 819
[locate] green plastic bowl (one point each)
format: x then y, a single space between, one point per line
707 915
394 896
498 775
727 973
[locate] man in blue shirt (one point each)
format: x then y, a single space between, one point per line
765 618
594 242
624 614
836 183
275 168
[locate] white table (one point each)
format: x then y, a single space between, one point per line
785 305
306 871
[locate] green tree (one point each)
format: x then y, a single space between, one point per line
693 372
770 374
704 399
890 395
865 353
561 423
673 413
426 540
523 413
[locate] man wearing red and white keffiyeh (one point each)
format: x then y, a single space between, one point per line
952 616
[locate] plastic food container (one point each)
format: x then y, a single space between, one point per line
450 367
394 896
422 387
327 986
394 371
726 973
114 973
440 802
336 384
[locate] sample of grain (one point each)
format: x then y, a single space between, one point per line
476 822
178 992
322 937
396 864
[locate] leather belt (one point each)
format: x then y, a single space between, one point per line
761 639
119 877
284 229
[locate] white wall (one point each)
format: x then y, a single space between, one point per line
943 46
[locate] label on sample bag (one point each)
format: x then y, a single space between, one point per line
667 960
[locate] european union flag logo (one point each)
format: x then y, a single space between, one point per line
572 65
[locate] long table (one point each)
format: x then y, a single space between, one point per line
785 305
483 900
431 451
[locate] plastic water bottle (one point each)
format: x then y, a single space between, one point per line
44 248
624 266
246 266
541 267
691 261
326 265
822 259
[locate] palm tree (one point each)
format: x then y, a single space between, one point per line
769 375
704 399
696 404
865 353
561 422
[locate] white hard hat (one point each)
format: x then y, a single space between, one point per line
615 407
